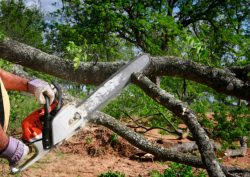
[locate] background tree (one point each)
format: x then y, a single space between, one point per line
21 23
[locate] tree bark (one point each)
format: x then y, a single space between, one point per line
242 151
221 80
161 153
181 110
139 141
191 146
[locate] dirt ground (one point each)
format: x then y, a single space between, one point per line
96 150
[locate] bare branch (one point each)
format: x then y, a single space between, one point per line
143 144
191 146
238 152
159 152
182 111
221 80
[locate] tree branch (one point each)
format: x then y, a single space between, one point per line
139 141
238 152
191 146
221 80
181 110
242 72
159 152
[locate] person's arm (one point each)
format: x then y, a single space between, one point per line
13 82
37 87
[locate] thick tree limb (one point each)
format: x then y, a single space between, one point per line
35 59
181 110
222 80
159 152
241 72
238 152
143 144
191 146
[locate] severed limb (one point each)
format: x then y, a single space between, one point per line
189 118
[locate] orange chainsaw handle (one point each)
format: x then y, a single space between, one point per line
32 125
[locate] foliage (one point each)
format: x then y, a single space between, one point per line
21 107
214 33
133 102
78 53
159 27
2 36
177 170
21 23
232 122
112 174
114 137
100 46
225 118
189 46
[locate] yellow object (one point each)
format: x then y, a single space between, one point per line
4 107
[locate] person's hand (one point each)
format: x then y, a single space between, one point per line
39 88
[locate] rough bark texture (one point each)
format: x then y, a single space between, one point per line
238 152
222 80
181 110
241 72
161 153
191 146
139 141
38 60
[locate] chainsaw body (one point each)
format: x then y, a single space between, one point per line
32 125
51 125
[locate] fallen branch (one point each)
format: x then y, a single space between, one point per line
189 118
146 129
139 141
191 146
221 80
185 147
181 133
160 153
238 152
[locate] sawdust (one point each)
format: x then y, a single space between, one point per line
97 142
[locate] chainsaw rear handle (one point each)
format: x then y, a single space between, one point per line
48 117
47 125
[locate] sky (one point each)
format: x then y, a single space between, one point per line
45 5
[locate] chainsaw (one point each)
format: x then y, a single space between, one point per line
49 126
